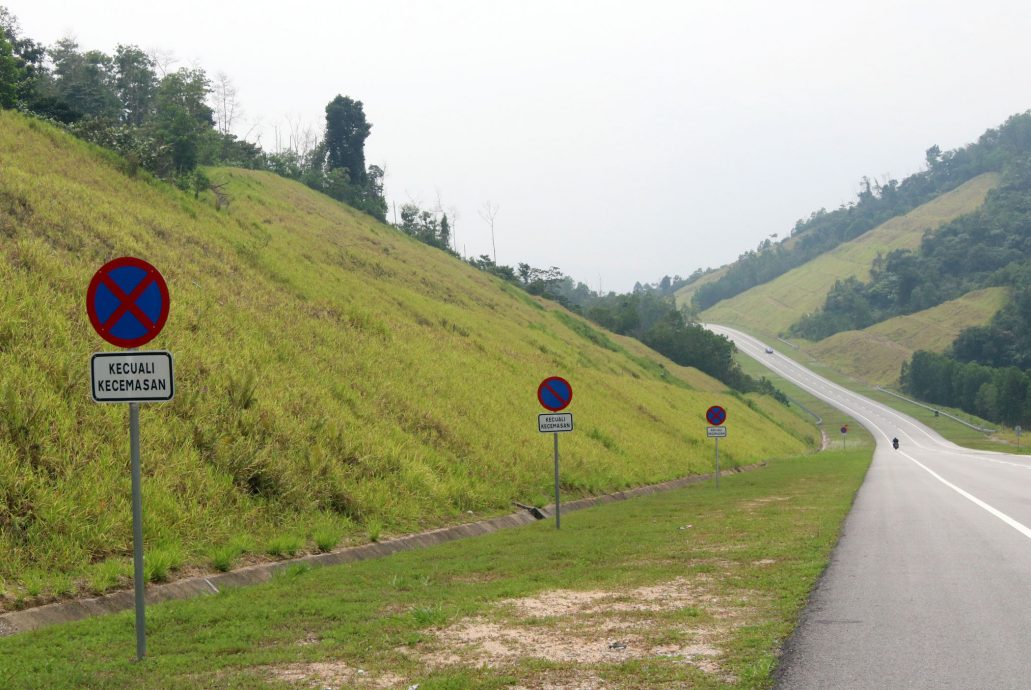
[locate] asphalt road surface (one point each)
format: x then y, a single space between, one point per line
930 585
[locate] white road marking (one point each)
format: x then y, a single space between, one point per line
1020 527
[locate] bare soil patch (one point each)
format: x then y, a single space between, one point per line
593 628
333 674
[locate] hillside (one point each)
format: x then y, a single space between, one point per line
774 306
876 354
335 379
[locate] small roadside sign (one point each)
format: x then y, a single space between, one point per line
554 393
844 428
716 415
554 422
127 302
124 377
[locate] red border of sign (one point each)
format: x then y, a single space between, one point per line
545 382
91 295
716 407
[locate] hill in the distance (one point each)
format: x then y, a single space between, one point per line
335 378
772 307
876 354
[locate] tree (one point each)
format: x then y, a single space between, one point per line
10 75
136 83
182 118
489 212
444 233
346 132
85 81
28 57
227 106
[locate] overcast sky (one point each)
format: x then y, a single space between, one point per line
623 141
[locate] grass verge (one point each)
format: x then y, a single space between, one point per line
693 588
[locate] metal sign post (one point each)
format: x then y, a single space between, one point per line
844 433
127 303
554 394
717 462
1017 430
558 499
137 530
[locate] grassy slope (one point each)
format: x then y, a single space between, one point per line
772 307
876 354
393 387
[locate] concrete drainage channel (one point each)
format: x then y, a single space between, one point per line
67 611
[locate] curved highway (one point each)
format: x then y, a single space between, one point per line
930 584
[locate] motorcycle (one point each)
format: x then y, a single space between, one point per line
895 443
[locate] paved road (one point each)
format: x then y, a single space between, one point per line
930 585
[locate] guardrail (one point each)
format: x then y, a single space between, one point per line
819 419
788 343
983 430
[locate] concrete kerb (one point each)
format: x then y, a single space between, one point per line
15 622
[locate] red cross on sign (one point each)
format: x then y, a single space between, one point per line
127 302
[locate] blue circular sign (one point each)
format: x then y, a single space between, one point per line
554 393
716 415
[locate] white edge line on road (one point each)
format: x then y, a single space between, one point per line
974 499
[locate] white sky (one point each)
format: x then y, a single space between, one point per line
622 140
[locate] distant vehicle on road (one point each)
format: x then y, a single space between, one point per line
769 350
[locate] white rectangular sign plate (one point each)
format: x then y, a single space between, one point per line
122 377
716 431
547 423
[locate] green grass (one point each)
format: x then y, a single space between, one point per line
730 568
330 371
284 546
160 561
776 305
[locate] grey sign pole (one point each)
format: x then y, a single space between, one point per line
717 462
558 508
137 530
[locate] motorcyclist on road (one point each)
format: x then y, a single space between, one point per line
895 443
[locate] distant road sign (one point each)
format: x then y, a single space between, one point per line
716 415
716 431
554 393
547 423
123 377
127 302
844 428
